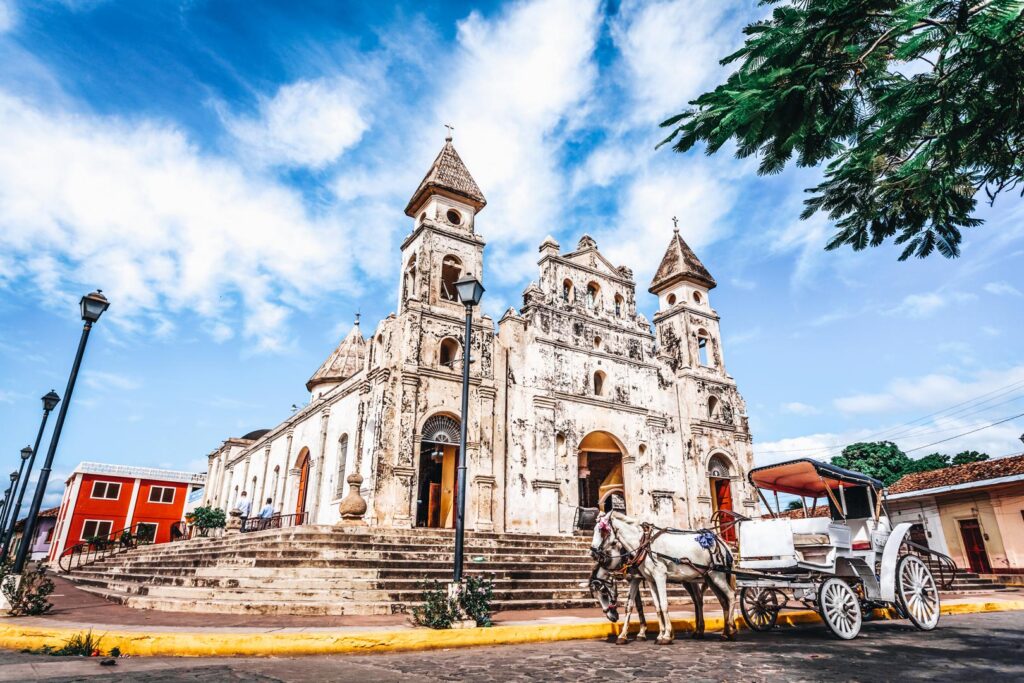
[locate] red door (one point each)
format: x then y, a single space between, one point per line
974 546
723 501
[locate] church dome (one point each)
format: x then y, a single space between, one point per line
345 361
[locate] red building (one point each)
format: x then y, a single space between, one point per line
100 501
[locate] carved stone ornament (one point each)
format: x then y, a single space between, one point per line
353 507
234 524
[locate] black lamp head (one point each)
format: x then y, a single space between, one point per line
470 291
26 452
50 401
93 306
14 476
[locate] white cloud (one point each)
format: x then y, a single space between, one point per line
929 392
1002 288
306 123
919 305
98 379
517 82
742 283
671 51
8 16
137 209
797 408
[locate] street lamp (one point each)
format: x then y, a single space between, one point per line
92 306
50 401
470 293
17 478
7 501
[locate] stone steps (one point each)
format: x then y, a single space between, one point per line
322 570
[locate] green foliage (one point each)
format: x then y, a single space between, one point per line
879 459
30 597
795 505
916 106
965 457
935 461
473 599
78 645
207 517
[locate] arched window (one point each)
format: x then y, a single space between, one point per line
561 449
671 299
712 407
451 271
339 488
718 467
378 350
409 281
696 297
703 352
276 480
449 352
423 216
593 296
567 291
618 305
597 343
454 217
599 383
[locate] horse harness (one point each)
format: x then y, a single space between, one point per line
721 558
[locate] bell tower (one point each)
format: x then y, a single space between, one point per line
443 245
687 325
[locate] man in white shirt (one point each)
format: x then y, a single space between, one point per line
244 506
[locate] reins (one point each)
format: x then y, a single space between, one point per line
721 558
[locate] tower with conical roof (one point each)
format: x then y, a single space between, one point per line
344 361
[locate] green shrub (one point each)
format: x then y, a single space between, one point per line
80 645
29 598
473 599
205 518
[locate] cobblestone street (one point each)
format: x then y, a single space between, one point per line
982 647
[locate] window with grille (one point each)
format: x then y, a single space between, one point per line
94 528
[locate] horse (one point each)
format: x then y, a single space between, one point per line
664 555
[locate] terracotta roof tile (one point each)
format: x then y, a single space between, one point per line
961 474
447 173
819 511
678 263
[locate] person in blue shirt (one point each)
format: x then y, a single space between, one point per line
268 510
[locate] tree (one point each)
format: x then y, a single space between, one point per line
205 518
966 457
795 505
879 459
935 461
915 105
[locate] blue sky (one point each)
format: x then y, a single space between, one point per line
233 176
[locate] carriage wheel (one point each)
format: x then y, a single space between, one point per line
840 608
760 608
917 592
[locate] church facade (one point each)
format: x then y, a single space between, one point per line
575 399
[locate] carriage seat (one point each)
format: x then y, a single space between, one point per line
811 539
811 531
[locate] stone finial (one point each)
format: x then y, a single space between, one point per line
234 524
353 507
586 242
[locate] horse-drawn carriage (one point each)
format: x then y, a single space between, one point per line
844 565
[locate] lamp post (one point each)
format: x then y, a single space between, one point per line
10 499
50 402
7 501
11 514
92 306
470 293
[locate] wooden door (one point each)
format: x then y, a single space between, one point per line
448 492
300 501
974 546
722 500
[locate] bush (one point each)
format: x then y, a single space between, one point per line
205 518
78 645
441 611
29 599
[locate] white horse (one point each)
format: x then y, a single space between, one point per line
666 556
604 588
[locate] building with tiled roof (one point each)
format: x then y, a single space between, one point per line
974 513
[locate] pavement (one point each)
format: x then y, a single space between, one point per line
156 633
971 647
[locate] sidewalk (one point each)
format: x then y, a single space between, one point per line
150 633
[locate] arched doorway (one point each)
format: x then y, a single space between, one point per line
721 493
439 457
601 483
300 500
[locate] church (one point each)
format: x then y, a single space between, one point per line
574 399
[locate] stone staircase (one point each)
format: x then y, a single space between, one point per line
323 570
969 582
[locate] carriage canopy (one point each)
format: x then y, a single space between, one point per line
810 478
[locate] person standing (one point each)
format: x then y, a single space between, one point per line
244 506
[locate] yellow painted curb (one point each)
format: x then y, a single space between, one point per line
181 644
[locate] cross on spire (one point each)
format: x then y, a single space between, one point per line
675 223
450 128
357 318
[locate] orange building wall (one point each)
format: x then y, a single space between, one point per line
87 507
163 514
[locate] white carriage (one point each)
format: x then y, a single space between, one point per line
844 565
